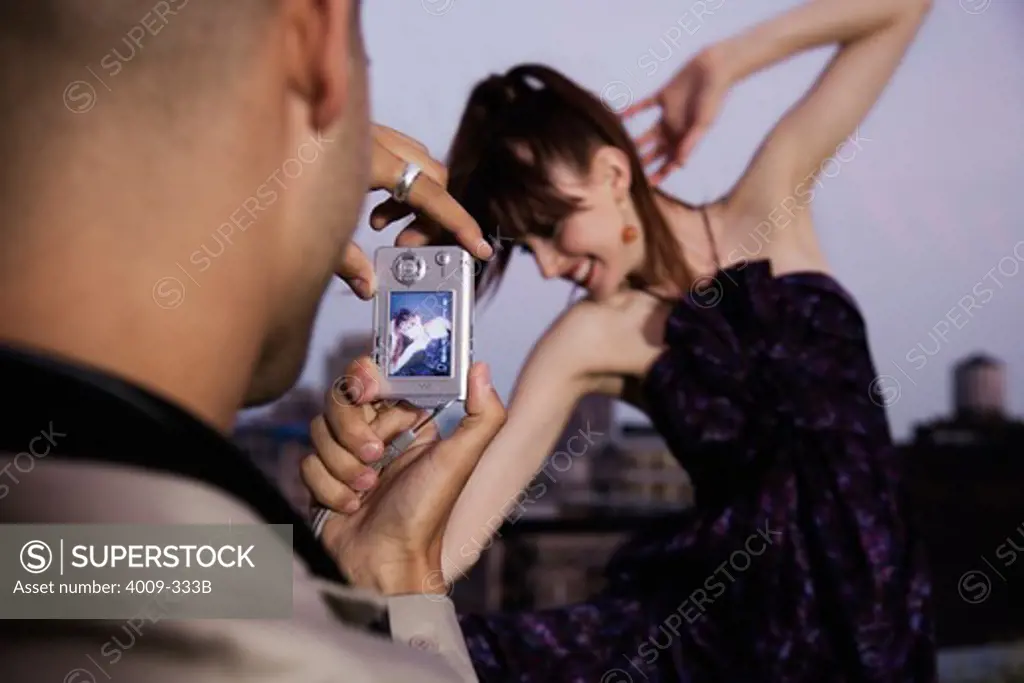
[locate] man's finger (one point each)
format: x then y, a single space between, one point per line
357 271
352 433
432 200
324 487
485 415
423 232
393 421
347 467
637 107
366 372
429 197
382 131
389 161
388 212
413 236
388 167
359 386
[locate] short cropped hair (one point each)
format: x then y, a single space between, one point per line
55 48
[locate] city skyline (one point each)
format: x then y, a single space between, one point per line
351 346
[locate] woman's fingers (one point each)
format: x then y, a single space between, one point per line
640 106
652 155
652 136
690 141
670 166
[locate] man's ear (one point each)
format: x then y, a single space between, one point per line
320 44
610 166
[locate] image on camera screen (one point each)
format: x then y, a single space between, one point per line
420 334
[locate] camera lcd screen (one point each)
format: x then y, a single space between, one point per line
420 334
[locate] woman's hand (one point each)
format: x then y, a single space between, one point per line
689 104
437 211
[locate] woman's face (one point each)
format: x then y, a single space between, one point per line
587 247
411 327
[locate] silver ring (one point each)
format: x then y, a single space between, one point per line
404 186
319 520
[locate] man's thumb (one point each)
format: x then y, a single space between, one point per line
485 415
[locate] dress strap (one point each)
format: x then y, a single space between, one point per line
711 236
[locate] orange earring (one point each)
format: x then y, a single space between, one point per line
630 234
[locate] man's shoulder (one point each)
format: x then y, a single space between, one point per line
329 636
326 639
206 651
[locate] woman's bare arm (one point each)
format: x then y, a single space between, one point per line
551 383
590 349
872 37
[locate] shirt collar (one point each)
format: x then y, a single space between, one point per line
102 418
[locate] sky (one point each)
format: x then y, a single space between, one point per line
927 211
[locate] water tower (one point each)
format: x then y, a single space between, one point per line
979 387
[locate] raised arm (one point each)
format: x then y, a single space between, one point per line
872 37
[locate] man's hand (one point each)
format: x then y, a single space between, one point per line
436 210
389 532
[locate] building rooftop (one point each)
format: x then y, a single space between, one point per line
980 359
612 521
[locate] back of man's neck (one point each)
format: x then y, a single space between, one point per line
206 374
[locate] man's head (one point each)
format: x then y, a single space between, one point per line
181 177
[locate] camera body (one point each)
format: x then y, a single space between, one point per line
423 323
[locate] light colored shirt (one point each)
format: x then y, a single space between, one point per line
327 639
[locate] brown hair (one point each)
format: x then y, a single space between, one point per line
403 315
515 126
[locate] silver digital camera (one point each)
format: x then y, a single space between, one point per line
423 323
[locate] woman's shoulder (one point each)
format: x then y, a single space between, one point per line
620 335
623 309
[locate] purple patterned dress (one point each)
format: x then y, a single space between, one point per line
796 564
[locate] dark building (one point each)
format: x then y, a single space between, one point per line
965 480
546 556
966 474
543 563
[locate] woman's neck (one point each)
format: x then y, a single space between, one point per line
686 225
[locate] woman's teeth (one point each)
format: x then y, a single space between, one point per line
582 273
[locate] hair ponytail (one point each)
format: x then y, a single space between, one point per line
514 126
